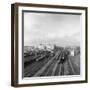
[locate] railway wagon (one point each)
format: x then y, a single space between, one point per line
36 56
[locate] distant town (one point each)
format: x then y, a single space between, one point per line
48 47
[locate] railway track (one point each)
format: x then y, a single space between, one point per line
32 68
49 66
51 70
46 65
71 67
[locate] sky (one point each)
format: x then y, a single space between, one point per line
60 29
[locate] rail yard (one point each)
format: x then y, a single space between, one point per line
57 62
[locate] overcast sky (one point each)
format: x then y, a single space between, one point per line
51 28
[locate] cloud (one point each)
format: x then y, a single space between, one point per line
43 27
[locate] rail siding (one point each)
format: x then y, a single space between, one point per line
70 64
54 68
45 66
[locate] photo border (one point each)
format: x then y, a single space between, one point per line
15 48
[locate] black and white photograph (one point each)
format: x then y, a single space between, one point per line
51 44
